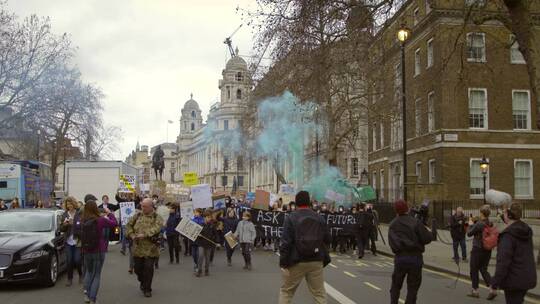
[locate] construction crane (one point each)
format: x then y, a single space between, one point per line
228 42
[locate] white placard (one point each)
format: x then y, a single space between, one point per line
201 195
189 228
186 210
145 187
127 210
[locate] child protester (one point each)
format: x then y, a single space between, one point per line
246 234
205 243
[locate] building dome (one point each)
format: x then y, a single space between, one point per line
236 62
191 104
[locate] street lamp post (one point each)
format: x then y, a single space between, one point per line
403 34
364 178
484 166
64 175
317 152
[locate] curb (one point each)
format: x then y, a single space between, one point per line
448 271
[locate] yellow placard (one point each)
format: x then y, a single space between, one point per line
191 179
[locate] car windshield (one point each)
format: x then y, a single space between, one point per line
25 222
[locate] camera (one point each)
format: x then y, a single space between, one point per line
421 212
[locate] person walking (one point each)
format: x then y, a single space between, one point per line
3 205
205 243
246 234
458 227
144 229
173 236
94 245
230 224
71 226
515 272
480 255
303 251
407 237
372 234
198 219
364 226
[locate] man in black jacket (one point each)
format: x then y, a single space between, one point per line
303 252
407 237
516 271
457 231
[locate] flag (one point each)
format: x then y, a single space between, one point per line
170 121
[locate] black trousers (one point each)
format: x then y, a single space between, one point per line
362 242
187 246
514 296
173 242
410 267
479 263
373 239
144 269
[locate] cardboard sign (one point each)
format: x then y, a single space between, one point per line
286 189
145 187
231 240
189 228
219 202
191 179
262 200
127 210
201 195
127 183
186 209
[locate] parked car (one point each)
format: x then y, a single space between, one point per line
31 246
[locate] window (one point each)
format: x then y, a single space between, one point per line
381 134
238 94
428 7
354 166
240 163
417 62
192 127
418 117
430 53
193 114
396 141
225 163
515 54
225 125
228 93
239 76
431 169
381 185
240 181
476 179
477 109
416 16
418 171
431 111
476 47
224 180
523 180
521 110
374 139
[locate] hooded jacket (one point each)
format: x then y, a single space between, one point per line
407 236
516 268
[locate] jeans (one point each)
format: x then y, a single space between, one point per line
73 261
229 251
246 252
514 296
362 242
130 250
144 269
124 239
460 243
187 246
93 264
195 255
173 242
479 263
410 267
203 259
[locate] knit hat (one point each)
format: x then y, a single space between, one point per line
90 197
302 198
401 207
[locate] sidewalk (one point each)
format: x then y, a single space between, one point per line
438 256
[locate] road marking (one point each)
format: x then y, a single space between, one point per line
361 264
349 274
372 286
338 296
379 264
332 265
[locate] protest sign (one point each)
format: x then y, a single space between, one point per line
286 189
127 210
186 210
127 183
191 179
201 195
145 187
262 200
189 228
219 202
231 240
250 197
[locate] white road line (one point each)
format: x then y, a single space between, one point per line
338 296
349 274
332 265
372 286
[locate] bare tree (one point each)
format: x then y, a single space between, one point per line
98 141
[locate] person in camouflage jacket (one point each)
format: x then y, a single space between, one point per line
144 229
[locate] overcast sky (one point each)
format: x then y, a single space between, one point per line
148 55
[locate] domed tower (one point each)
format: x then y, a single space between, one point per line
236 82
191 119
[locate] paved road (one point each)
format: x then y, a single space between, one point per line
349 281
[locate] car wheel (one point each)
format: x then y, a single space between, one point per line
52 274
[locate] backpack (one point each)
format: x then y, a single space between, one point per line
490 236
89 235
309 237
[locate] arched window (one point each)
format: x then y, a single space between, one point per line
228 93
192 127
239 76
193 114
239 94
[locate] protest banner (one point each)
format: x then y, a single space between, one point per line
231 240
189 228
286 189
201 195
191 179
262 200
186 210
127 210
127 183
366 194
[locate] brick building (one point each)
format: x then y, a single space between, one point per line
468 96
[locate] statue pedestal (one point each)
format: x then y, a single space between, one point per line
158 187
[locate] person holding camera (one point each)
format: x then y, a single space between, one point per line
458 227
516 270
144 229
407 237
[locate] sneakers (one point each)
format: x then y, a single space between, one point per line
492 295
69 283
147 294
248 267
86 299
474 294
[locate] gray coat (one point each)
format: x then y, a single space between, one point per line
245 232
